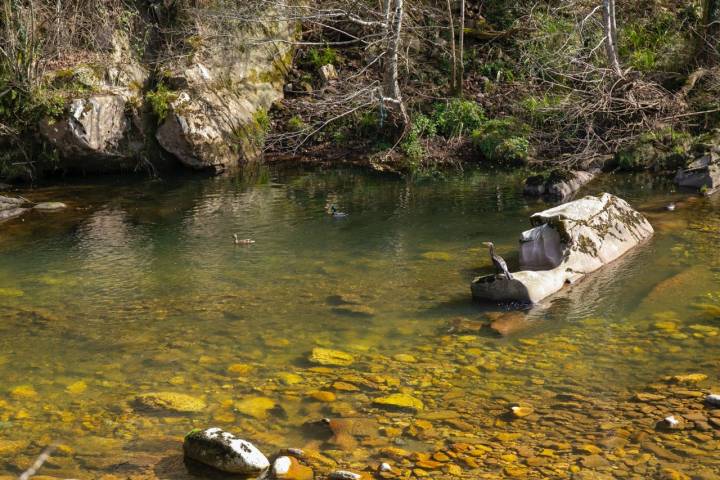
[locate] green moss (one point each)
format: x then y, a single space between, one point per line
160 100
503 141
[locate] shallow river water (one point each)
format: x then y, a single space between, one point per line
137 293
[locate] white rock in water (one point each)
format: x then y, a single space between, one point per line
385 467
281 466
713 399
566 243
224 451
344 475
48 206
671 421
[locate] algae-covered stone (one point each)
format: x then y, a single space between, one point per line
169 401
76 388
23 391
256 407
335 358
401 401
224 451
689 378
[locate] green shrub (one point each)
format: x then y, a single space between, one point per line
296 124
457 117
503 140
422 127
160 100
317 57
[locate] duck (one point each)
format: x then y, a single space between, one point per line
337 213
244 241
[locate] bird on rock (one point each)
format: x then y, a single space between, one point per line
498 261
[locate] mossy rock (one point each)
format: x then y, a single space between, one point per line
659 150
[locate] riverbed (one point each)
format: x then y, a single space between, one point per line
138 288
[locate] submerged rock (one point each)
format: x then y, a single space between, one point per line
566 243
713 400
169 401
256 407
400 401
225 452
289 468
328 357
508 323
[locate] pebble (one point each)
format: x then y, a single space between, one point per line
713 400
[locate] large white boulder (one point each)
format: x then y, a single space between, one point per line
566 243
225 452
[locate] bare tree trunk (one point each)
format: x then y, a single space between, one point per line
610 26
391 81
461 76
708 49
451 22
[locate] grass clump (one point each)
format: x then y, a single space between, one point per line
456 117
504 140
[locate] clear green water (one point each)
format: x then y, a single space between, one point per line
138 287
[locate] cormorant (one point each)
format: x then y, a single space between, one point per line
497 260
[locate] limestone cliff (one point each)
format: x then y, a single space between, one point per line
202 94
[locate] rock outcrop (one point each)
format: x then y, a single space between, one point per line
218 118
567 243
213 111
12 207
101 128
702 175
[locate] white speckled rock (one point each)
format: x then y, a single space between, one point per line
344 475
224 451
566 243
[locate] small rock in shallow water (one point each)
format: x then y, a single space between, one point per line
344 475
288 468
334 358
224 451
713 400
689 378
520 411
256 407
49 206
169 401
400 401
